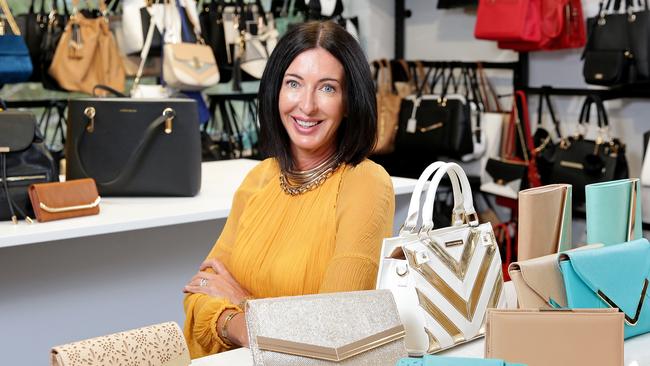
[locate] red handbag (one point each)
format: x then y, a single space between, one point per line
562 27
509 20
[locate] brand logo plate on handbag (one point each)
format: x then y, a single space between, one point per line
453 243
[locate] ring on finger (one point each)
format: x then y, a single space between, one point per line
203 282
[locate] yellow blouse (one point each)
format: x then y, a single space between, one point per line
325 240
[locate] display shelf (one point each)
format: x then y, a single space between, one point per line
220 180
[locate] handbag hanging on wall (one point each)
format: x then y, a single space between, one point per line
617 44
388 104
32 26
516 168
543 143
435 124
509 20
15 62
55 27
562 26
87 54
580 161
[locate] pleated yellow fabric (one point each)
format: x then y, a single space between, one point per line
325 240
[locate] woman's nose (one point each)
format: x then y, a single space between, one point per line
308 103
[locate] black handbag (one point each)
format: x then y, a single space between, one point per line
579 161
135 147
544 145
435 124
211 19
32 27
55 26
24 160
617 45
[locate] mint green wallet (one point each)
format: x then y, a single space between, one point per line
429 360
614 211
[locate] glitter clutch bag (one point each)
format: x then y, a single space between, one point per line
347 328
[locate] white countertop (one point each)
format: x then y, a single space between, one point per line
220 180
637 349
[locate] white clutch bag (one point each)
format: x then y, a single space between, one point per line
443 280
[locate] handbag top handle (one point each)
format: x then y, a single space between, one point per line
545 98
468 203
10 18
412 215
487 91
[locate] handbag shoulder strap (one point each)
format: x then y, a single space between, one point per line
10 17
132 163
145 52
545 98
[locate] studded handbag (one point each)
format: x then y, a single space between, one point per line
443 280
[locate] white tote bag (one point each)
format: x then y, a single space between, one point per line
445 279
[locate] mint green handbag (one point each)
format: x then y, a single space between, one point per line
429 360
616 276
614 211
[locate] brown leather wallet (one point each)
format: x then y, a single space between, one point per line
63 200
563 337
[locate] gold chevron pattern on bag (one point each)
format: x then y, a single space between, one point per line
479 259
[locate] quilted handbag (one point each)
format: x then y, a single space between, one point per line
616 276
443 280
614 211
430 360
15 62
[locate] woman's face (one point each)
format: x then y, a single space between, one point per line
311 104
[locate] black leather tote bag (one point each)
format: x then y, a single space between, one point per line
24 160
618 43
135 147
580 161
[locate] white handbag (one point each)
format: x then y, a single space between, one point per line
443 280
130 35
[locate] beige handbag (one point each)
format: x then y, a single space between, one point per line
387 110
567 337
87 54
544 221
189 66
538 281
155 345
346 328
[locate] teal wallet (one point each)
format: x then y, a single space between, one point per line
614 211
615 276
429 360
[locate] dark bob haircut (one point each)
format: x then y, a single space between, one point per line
357 132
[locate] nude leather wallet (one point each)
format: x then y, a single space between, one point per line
538 281
564 337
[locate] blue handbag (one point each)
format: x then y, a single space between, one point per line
429 360
614 211
15 63
615 276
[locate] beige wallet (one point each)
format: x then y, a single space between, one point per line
538 281
591 337
544 225
155 345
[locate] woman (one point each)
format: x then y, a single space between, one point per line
311 217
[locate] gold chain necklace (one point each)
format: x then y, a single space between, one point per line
298 182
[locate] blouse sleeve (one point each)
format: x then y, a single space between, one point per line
202 311
365 210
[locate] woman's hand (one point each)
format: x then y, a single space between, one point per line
218 284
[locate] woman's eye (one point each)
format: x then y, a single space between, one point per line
292 84
328 89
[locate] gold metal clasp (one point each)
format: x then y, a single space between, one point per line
169 115
90 113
